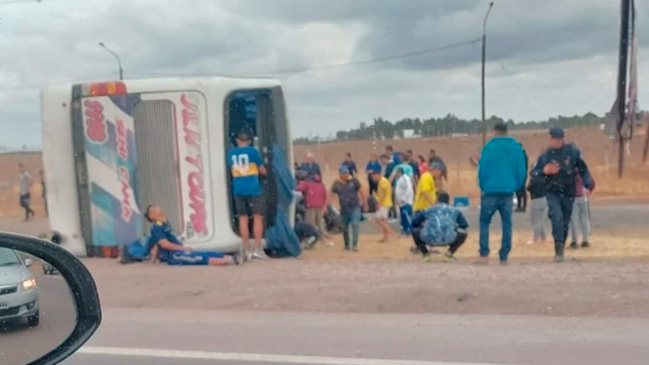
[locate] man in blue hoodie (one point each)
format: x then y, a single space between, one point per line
501 173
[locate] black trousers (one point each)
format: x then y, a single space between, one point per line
24 203
374 186
560 209
521 200
459 241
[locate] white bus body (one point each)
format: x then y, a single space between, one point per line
111 149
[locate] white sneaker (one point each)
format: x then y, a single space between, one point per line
259 255
247 256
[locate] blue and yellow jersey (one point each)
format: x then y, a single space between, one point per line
160 231
244 164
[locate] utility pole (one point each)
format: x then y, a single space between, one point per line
119 61
645 150
621 82
484 61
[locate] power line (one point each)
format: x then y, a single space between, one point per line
338 65
280 71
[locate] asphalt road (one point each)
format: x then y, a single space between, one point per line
20 344
148 336
629 220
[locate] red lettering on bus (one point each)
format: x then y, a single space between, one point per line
197 199
125 178
192 138
96 128
195 179
189 112
122 142
196 161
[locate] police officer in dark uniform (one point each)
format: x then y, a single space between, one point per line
559 164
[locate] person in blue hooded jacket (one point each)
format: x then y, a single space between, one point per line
501 173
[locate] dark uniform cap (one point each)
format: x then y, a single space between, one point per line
556 133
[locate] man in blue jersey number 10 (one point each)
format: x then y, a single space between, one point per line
246 166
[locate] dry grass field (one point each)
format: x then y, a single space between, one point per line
600 153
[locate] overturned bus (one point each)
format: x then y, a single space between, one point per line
110 149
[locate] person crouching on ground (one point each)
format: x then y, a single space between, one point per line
440 225
168 248
384 199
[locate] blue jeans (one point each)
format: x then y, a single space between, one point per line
490 204
406 218
351 219
193 258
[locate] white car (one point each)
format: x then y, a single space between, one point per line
18 289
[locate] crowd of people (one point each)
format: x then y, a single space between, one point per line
411 187
401 187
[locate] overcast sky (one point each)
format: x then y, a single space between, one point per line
545 57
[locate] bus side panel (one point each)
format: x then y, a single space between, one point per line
107 170
194 167
62 199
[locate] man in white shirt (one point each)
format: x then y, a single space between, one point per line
404 194
25 182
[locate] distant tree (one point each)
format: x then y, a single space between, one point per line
449 124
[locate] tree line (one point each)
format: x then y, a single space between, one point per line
381 128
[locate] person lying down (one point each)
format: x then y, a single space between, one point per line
166 247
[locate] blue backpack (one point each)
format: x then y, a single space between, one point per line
136 251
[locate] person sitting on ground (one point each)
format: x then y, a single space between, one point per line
168 248
440 225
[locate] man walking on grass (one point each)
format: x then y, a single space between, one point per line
559 164
246 166
501 173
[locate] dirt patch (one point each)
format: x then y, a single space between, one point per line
535 287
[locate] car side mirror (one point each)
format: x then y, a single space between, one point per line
43 320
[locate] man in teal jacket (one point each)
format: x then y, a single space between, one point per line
501 172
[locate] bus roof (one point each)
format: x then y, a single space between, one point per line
179 83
